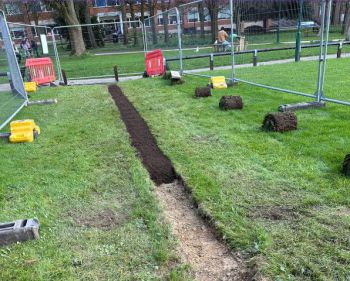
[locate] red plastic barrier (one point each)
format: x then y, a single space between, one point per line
41 70
154 63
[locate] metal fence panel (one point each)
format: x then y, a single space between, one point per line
12 94
162 31
105 45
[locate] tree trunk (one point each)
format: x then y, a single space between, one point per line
125 26
70 16
142 11
201 18
336 16
132 12
238 22
214 24
165 23
153 24
347 23
90 30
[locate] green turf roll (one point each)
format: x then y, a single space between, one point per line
202 92
231 102
280 122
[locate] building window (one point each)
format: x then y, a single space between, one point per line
12 9
193 15
224 13
104 3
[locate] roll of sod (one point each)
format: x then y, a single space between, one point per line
346 166
231 102
280 122
203 92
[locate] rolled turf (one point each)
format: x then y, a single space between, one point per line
202 92
280 122
231 102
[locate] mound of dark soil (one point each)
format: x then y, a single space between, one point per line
203 92
280 122
231 102
158 165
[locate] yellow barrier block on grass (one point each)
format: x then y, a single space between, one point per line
23 131
218 82
30 87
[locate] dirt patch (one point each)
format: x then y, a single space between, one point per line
157 164
105 219
231 102
276 213
202 92
280 122
209 258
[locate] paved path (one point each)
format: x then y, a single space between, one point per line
313 58
101 80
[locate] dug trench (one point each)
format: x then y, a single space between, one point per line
199 244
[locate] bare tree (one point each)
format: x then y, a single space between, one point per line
87 16
152 6
165 7
346 25
201 18
213 8
131 4
67 10
123 4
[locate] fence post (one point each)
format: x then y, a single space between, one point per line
211 61
340 47
255 58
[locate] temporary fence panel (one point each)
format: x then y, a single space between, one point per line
162 31
92 50
201 22
12 93
33 42
262 33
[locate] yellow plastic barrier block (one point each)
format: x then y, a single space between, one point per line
30 87
218 82
23 131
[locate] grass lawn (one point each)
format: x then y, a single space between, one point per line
82 180
278 198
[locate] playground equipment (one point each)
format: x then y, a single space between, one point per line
22 131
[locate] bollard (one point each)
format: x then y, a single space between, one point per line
255 58
211 62
116 75
339 50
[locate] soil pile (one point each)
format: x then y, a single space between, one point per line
157 164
